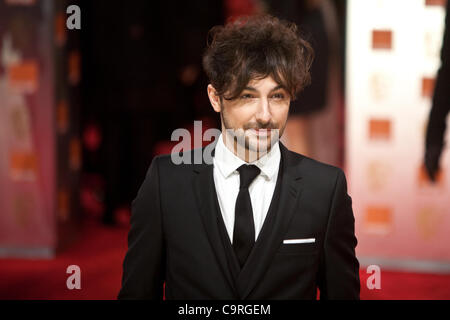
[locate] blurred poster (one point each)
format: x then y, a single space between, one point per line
393 48
27 180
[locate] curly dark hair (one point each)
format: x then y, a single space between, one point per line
253 48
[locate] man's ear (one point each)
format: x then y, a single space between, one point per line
214 98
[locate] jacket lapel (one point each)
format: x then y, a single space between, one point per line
206 198
274 227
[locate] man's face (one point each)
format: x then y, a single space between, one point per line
257 117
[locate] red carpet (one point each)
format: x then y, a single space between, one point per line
100 252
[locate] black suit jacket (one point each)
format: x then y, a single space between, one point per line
177 237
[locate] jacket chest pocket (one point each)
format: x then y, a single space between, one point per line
298 248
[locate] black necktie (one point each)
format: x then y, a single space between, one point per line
244 227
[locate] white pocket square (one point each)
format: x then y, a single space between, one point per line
295 241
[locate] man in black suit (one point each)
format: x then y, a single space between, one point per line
254 220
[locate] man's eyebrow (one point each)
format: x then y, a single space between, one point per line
274 89
250 89
277 88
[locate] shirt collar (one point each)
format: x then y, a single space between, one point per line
227 162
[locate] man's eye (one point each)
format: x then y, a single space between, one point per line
246 96
278 96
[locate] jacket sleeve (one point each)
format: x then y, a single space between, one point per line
339 269
143 266
441 100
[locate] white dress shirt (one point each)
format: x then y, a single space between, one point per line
226 180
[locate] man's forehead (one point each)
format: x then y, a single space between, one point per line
268 82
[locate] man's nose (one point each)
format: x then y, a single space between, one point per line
263 114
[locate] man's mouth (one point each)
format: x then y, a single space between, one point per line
261 132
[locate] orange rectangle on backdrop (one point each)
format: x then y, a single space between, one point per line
378 220
428 87
379 129
379 215
24 76
442 3
382 39
23 162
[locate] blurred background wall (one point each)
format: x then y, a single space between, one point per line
40 149
402 217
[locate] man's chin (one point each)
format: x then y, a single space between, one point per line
261 144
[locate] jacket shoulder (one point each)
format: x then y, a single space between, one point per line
176 163
315 169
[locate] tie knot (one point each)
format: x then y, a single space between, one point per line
247 173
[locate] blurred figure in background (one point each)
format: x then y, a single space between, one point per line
441 107
313 128
144 80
